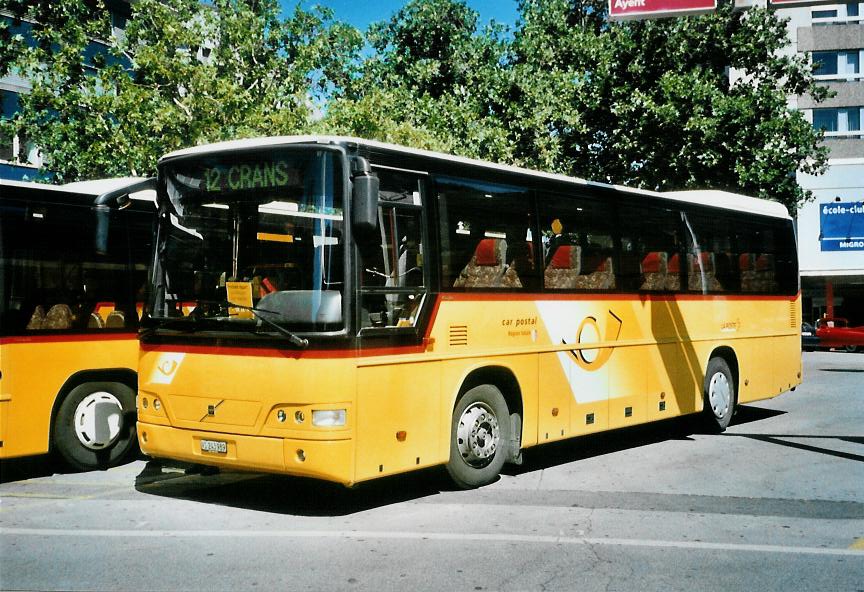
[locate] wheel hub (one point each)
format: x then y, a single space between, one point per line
98 420
478 435
719 394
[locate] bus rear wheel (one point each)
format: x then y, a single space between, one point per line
719 395
479 437
95 426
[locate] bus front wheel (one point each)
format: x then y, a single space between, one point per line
479 437
719 393
95 425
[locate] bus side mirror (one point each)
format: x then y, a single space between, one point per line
103 221
111 200
364 212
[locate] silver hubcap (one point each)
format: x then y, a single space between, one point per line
98 419
478 435
719 394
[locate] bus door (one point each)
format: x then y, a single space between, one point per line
398 404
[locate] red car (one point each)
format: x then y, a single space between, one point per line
836 332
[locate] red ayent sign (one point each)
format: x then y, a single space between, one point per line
646 9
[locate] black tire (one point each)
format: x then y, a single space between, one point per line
719 395
95 426
479 437
851 349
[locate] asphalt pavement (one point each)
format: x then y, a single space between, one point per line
774 503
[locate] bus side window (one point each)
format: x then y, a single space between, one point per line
577 243
392 277
487 235
650 249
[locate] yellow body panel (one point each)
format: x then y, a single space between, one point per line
580 366
34 371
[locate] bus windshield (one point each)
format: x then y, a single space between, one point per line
251 239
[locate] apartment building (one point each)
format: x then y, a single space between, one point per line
831 228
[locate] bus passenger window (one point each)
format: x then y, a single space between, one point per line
577 243
650 249
487 235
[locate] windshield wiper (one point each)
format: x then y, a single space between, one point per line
292 338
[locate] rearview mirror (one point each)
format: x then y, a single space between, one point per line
364 212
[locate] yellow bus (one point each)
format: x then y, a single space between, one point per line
69 320
346 309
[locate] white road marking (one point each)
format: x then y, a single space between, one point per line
433 536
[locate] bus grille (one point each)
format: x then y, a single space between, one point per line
458 335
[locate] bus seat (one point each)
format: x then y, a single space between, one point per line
700 268
597 273
673 273
487 269
37 319
59 317
653 267
116 320
95 321
562 273
760 276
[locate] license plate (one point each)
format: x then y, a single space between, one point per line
216 446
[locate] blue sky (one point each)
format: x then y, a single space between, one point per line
361 13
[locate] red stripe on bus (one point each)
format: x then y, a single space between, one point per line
604 296
259 352
77 337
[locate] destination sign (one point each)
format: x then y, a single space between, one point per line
246 176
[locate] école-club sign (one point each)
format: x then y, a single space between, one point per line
841 226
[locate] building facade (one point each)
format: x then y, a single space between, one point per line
831 228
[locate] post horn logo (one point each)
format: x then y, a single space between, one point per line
167 367
589 333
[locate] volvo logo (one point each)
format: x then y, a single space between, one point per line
211 410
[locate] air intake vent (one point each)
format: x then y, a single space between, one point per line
793 315
458 335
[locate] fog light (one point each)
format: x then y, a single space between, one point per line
157 405
280 415
328 417
299 417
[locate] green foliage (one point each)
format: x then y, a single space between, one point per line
648 104
185 73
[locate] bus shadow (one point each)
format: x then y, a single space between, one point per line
31 467
280 494
35 467
593 445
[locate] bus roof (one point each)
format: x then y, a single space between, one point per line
710 198
92 188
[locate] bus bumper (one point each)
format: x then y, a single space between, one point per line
331 460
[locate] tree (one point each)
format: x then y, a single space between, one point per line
651 103
185 73
647 104
433 82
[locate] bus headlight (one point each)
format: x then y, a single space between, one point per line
328 418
